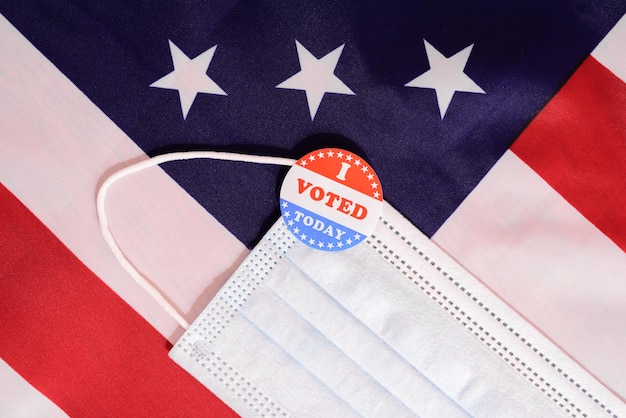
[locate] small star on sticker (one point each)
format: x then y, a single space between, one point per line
287 214
303 237
374 185
311 241
320 244
316 77
290 222
330 153
303 163
189 77
340 244
357 162
320 155
349 241
370 176
364 169
296 230
285 204
312 157
446 76
349 157
376 195
330 245
340 154
357 236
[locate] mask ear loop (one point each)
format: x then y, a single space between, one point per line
151 162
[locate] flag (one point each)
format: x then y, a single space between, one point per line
496 129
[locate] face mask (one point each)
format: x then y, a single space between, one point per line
392 327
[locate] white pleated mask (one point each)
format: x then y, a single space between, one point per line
392 327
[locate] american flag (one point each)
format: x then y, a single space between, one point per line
498 129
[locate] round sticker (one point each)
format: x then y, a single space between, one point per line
331 199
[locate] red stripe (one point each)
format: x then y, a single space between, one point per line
577 144
75 340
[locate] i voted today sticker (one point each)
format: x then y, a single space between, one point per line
331 199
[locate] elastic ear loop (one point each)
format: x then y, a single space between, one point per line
151 162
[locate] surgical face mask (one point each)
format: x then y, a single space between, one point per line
392 327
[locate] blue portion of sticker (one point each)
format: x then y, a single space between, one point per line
317 231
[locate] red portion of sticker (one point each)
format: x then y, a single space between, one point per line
344 167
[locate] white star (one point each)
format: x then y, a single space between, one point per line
446 76
189 77
316 77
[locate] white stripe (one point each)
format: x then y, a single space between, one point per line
531 247
57 147
19 399
611 51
